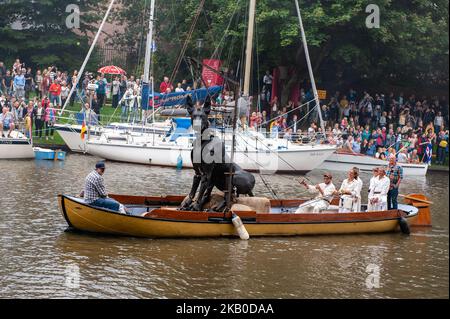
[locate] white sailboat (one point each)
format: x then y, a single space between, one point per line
17 146
343 161
253 151
71 133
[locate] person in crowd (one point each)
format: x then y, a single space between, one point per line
19 84
49 120
413 157
179 88
90 116
115 92
402 156
324 191
29 82
165 84
349 193
438 122
274 106
377 200
65 90
442 142
40 116
95 194
7 83
55 93
38 78
6 122
395 174
101 91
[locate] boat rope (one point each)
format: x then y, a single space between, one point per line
188 39
225 33
296 122
258 102
283 114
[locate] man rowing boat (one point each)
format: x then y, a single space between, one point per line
325 192
95 194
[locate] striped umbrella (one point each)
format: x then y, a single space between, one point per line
111 69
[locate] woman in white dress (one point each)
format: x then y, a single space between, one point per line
349 193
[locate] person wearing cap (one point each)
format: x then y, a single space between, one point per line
395 174
94 192
378 192
323 199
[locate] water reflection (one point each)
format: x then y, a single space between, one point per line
36 252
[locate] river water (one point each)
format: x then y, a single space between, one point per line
40 260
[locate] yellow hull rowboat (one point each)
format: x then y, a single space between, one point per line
157 217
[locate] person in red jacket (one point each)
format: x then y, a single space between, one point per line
165 85
55 93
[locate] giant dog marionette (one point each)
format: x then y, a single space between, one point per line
211 163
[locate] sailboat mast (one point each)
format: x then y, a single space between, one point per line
148 56
249 47
148 48
308 61
86 59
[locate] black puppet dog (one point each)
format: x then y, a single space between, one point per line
211 163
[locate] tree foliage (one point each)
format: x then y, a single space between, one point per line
411 45
36 31
409 48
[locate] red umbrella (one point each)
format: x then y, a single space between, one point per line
111 69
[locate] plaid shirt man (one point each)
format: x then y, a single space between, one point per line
397 172
94 187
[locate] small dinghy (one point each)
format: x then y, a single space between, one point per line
49 154
160 217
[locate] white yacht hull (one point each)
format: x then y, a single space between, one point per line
301 159
71 134
343 162
15 148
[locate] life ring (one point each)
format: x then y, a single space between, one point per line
404 227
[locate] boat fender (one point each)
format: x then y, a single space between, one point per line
240 228
404 226
179 162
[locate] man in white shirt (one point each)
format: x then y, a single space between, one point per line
373 179
323 199
359 190
378 193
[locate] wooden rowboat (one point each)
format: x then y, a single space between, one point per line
158 217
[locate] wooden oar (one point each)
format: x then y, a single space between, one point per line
416 199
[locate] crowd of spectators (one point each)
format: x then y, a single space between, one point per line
375 125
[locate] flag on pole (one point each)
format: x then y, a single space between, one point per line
83 130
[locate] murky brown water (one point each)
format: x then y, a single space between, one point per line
36 253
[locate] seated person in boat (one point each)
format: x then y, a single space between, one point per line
349 193
323 199
6 121
378 192
94 192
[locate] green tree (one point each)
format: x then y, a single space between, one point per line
410 47
36 32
